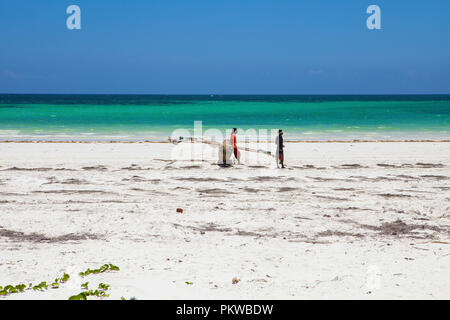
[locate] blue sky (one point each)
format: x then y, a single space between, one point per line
225 47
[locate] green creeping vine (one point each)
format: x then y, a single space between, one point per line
9 289
102 288
85 285
105 267
99 292
12 289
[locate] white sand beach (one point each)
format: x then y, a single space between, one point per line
343 220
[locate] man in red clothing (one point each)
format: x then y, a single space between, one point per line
233 143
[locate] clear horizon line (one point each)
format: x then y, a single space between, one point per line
239 94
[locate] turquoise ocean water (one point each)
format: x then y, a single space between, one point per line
154 117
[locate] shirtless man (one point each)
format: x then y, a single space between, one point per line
280 154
